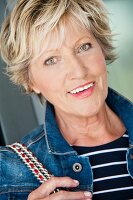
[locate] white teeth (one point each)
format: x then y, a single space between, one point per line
86 87
77 90
81 88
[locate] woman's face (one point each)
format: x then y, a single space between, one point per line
72 77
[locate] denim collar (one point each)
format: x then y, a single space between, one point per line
124 109
58 145
55 141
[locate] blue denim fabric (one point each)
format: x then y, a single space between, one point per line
49 146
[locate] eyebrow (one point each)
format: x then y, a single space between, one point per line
85 37
58 49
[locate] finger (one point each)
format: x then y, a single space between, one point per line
66 195
50 185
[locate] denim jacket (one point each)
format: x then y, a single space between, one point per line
49 146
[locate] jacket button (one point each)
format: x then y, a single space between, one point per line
77 167
131 156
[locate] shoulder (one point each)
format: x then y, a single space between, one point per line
14 174
12 169
34 136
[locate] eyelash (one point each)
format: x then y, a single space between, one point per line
51 59
55 59
83 45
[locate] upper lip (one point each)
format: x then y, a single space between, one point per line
82 85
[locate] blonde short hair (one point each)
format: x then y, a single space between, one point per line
24 29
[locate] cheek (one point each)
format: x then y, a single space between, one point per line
100 63
49 85
40 82
97 67
95 62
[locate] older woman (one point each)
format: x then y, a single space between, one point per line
59 50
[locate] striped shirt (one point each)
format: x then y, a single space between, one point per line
110 176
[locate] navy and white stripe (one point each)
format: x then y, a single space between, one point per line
108 161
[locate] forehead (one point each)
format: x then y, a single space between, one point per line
65 33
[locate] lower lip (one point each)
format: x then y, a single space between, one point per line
85 93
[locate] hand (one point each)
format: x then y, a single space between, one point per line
44 192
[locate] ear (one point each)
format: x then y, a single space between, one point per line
35 89
32 85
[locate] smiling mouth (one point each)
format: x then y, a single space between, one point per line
82 88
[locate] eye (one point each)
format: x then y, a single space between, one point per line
51 61
84 47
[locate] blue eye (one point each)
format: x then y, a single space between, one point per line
51 61
84 47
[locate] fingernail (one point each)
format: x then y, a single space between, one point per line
87 194
75 181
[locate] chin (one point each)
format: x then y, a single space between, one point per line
88 111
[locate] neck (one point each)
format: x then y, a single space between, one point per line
99 129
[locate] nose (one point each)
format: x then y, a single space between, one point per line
76 68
